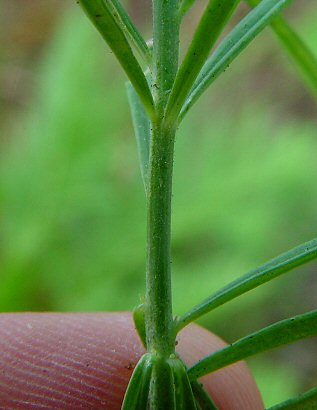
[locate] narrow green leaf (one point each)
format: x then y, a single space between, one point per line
302 56
109 26
278 334
136 39
209 29
256 277
142 131
305 60
233 44
304 401
184 7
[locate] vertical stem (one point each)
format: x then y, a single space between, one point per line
158 312
158 306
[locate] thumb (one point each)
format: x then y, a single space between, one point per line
73 361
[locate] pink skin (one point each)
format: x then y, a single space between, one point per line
70 361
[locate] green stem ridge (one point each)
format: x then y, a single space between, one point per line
281 264
278 334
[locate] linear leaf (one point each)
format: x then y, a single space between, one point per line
142 130
109 26
278 334
302 56
304 401
209 28
232 45
136 38
256 277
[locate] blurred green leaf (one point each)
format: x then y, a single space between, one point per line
142 131
185 6
270 373
302 56
280 333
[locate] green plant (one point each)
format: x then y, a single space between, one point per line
161 92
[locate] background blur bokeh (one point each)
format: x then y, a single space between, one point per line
72 209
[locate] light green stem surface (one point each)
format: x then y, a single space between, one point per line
158 312
158 301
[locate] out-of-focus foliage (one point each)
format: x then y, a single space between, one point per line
72 204
271 378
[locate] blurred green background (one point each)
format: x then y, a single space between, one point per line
72 208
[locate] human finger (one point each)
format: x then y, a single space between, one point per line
71 361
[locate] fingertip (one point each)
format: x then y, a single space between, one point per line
74 361
66 361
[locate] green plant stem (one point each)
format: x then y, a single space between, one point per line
158 307
159 326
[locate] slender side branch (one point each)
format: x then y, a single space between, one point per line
281 264
280 333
